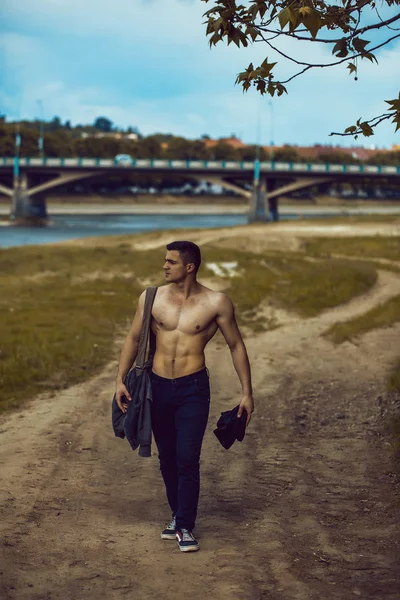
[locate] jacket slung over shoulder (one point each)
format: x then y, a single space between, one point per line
135 424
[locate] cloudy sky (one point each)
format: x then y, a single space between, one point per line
147 63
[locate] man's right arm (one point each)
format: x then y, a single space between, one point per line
128 354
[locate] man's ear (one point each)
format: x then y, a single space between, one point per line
190 267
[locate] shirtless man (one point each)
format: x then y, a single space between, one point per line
185 316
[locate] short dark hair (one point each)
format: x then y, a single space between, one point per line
189 252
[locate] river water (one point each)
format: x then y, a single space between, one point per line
67 227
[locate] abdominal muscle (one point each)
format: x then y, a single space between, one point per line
179 354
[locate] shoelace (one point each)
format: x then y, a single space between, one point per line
172 525
187 536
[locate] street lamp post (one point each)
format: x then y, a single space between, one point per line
41 130
257 211
273 202
17 152
271 143
16 180
258 147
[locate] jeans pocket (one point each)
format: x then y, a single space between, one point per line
202 385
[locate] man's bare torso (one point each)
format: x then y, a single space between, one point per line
183 327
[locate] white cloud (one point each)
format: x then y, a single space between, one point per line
197 94
139 20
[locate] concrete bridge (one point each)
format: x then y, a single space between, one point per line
26 180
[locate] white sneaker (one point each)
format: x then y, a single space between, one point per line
186 541
169 533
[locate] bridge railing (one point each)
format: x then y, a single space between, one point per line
200 165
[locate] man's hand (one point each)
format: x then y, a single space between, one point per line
121 392
247 403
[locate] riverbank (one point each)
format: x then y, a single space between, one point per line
176 206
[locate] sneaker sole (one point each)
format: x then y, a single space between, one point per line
189 548
168 536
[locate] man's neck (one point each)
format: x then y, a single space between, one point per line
186 288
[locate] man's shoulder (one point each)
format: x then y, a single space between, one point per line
216 297
162 288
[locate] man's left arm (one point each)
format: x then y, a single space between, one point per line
226 322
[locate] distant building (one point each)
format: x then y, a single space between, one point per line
314 152
115 135
304 152
231 141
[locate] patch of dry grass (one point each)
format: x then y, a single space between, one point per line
360 246
383 315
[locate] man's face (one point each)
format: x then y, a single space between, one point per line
174 268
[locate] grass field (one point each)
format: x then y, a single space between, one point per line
370 248
291 282
63 305
362 247
384 315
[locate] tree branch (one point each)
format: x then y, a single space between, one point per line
380 18
370 122
354 32
324 65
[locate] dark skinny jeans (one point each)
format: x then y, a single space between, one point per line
179 417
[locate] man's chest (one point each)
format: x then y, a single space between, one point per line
189 317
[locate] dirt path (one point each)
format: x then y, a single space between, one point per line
303 509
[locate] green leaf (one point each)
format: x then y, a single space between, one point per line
284 17
340 48
305 10
261 8
293 16
313 23
241 77
237 37
396 119
252 12
370 57
217 24
394 104
210 27
281 89
253 33
214 39
266 68
271 88
359 45
261 86
366 129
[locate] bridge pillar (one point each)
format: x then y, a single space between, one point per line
273 208
262 207
258 202
23 207
272 201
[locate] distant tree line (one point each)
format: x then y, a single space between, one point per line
103 140
97 140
